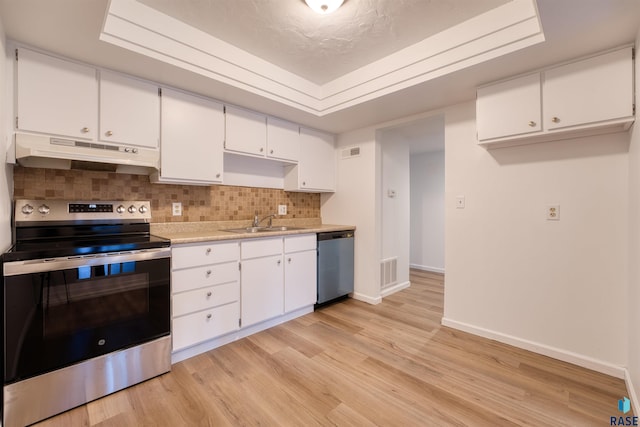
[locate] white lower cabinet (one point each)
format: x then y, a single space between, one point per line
262 289
205 284
300 276
221 288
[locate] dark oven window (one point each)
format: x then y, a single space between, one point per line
57 318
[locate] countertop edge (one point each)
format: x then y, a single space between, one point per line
179 238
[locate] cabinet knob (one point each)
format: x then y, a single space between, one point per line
279 262
555 119
270 151
217 175
108 133
261 149
209 316
532 123
85 130
208 251
304 183
289 260
209 294
208 273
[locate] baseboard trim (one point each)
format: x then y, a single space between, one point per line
366 298
632 391
556 353
427 268
395 288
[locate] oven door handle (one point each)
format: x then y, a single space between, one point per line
15 268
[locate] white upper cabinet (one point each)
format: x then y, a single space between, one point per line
56 97
129 111
589 91
246 131
316 168
283 139
192 139
586 97
509 108
255 134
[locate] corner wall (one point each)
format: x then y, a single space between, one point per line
355 202
555 287
427 211
6 171
633 368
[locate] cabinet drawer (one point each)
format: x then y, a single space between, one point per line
261 247
207 275
197 327
201 299
203 254
299 243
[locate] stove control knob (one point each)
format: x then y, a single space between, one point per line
44 209
132 209
27 209
143 209
120 209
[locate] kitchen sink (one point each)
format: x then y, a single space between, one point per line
261 229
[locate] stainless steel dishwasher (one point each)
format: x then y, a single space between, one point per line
335 265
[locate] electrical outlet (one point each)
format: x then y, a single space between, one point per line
553 213
176 208
282 209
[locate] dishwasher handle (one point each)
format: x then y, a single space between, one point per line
336 235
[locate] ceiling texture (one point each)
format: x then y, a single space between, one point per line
370 62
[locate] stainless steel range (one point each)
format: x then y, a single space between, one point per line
86 305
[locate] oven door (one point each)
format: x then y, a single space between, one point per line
61 311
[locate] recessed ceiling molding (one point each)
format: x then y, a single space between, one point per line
505 29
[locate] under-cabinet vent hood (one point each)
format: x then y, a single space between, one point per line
56 153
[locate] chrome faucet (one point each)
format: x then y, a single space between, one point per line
257 221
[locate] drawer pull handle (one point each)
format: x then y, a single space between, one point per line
209 294
209 316
208 251
208 273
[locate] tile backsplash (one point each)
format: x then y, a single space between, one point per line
211 203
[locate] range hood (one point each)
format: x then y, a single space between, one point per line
56 153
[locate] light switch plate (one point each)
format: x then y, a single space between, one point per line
460 202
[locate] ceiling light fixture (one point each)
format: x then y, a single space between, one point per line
324 7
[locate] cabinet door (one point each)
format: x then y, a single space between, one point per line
589 91
299 280
129 111
56 97
317 162
192 138
283 139
246 131
262 289
509 108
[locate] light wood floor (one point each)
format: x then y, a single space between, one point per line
353 364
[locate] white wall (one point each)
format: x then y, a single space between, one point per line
6 171
396 208
355 203
633 381
557 287
427 211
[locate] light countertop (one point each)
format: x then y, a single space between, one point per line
193 232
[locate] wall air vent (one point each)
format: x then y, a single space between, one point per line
350 152
388 272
